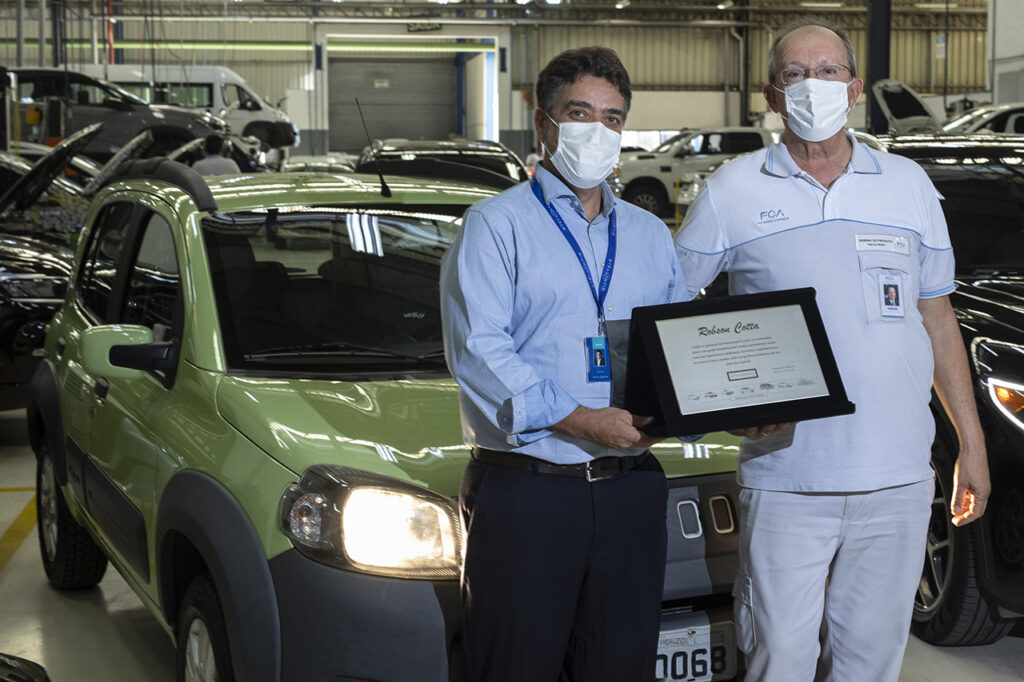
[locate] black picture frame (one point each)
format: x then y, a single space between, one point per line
649 389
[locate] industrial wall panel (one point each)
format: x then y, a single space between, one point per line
400 97
681 58
656 57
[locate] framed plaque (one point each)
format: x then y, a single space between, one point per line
725 363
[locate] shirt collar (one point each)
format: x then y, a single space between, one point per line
552 188
780 163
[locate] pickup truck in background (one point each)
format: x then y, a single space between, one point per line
651 179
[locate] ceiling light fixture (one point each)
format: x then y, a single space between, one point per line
622 4
934 5
821 5
725 4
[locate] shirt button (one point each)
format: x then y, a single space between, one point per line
609 307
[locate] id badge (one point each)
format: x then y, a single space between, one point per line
598 367
890 295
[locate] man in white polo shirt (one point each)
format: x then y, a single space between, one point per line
834 512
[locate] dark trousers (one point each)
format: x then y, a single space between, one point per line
562 579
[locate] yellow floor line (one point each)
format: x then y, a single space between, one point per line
18 490
11 540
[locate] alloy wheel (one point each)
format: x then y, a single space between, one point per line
200 663
938 561
48 505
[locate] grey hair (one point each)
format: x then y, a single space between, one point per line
810 21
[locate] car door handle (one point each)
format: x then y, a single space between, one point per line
101 387
62 343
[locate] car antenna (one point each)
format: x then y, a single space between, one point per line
385 191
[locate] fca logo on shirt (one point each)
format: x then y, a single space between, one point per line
772 214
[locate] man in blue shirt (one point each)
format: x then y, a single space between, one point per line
562 505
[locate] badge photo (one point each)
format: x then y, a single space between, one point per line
890 288
598 368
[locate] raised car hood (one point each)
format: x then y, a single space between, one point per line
904 108
26 190
22 255
406 429
135 147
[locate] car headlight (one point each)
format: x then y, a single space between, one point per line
372 523
1009 398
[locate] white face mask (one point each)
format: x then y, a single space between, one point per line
816 109
586 153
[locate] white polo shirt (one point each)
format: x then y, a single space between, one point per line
772 226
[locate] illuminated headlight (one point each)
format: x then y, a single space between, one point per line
1009 398
372 523
384 528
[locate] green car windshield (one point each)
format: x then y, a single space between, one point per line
331 289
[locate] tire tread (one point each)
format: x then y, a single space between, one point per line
79 562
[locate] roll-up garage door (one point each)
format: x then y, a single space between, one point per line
412 98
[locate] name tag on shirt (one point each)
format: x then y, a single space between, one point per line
883 242
598 368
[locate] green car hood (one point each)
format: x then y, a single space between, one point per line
406 429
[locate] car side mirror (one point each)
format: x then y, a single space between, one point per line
124 351
685 151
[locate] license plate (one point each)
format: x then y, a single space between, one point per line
696 650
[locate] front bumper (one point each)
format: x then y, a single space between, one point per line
346 626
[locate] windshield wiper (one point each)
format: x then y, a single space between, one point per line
348 348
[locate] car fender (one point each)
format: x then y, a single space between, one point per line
171 129
198 508
44 417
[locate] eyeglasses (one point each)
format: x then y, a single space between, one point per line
825 72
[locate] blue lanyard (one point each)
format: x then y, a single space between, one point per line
609 260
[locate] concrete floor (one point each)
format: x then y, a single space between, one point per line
106 634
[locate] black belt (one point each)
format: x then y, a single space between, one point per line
594 470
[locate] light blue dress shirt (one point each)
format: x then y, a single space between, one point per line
516 309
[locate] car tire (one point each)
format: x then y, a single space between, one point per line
648 196
72 560
203 653
950 608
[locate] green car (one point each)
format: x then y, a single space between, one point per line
245 407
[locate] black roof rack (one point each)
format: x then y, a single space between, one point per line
173 173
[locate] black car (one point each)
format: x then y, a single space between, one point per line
480 162
972 586
74 100
40 213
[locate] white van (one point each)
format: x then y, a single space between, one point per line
216 89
